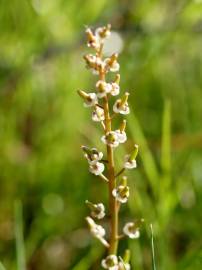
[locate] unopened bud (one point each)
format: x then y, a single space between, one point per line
123 126
124 181
117 78
124 99
91 205
126 256
134 153
83 94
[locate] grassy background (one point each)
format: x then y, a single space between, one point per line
43 124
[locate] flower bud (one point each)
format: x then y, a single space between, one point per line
126 256
124 99
123 126
134 153
92 40
124 181
117 78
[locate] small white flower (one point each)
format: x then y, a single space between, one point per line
94 63
122 109
131 230
115 67
98 211
103 32
96 168
98 114
121 193
111 138
115 89
121 136
92 154
103 88
97 230
129 164
110 65
124 266
90 59
110 262
91 100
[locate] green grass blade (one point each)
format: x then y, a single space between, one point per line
145 153
152 249
166 139
92 255
20 249
2 267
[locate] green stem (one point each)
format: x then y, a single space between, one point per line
113 206
112 184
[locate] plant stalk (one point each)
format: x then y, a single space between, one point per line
113 206
112 184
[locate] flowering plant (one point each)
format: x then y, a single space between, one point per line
101 112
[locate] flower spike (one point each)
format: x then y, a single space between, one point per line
104 113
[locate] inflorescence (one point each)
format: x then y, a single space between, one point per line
101 112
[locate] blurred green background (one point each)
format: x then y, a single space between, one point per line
43 124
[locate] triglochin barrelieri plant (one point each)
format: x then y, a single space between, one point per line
119 190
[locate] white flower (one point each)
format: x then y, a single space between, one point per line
121 105
111 65
91 100
92 155
98 114
121 193
124 266
131 230
90 59
97 230
103 88
99 211
115 67
103 32
122 109
121 136
95 40
115 89
96 168
110 262
129 164
111 138
94 63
